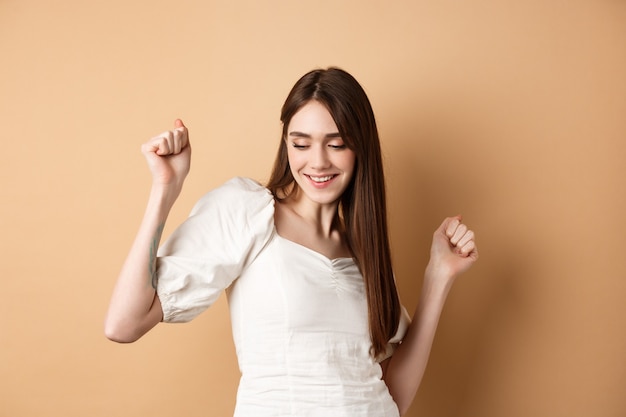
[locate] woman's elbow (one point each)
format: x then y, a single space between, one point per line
125 327
118 332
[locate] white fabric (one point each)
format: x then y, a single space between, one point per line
299 319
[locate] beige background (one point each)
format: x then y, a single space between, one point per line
512 113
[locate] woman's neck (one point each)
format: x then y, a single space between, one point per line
323 218
313 226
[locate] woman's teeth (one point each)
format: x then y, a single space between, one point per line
321 179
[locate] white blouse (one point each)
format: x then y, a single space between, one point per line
299 319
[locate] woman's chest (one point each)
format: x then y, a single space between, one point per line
290 288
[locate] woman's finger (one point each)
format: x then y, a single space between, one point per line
177 141
154 145
465 239
451 224
460 231
468 249
165 143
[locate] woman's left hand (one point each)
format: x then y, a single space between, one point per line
453 250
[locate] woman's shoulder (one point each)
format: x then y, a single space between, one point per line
237 194
245 184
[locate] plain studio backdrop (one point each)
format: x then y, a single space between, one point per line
512 113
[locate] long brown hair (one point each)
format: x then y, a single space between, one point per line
362 207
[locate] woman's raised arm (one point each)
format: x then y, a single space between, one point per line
135 307
452 252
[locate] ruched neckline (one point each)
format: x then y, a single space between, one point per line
333 261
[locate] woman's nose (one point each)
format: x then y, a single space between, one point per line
320 159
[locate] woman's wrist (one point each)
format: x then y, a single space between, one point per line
438 279
166 194
161 201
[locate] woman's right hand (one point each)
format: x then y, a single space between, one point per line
169 156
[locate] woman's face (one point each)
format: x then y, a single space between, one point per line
320 162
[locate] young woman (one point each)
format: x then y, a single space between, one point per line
305 262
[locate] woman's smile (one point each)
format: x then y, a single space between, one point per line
320 162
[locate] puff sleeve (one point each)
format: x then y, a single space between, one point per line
403 326
224 233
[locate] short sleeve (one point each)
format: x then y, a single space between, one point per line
393 343
224 233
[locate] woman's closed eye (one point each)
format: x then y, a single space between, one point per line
336 146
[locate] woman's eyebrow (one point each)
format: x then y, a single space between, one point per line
308 136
